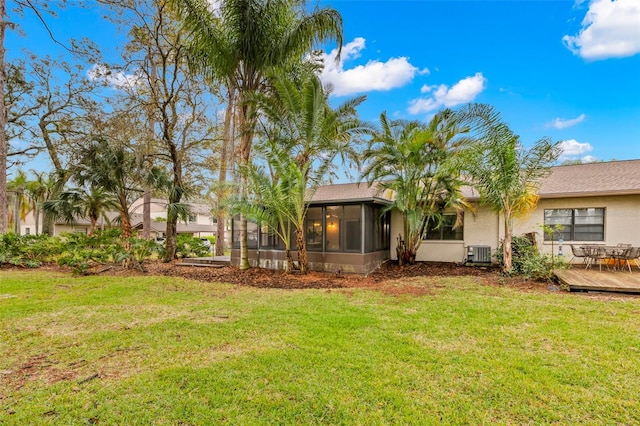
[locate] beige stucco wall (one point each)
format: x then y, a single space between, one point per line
396 229
157 209
622 225
621 222
480 228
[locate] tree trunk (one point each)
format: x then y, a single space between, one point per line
146 198
125 224
244 249
289 266
92 226
245 158
220 237
175 196
171 240
302 251
506 244
3 125
36 215
146 214
227 147
16 211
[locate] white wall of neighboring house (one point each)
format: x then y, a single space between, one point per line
28 225
204 219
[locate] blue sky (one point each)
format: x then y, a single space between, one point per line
568 70
563 69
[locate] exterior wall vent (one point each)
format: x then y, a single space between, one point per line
479 254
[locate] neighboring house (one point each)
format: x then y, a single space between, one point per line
28 225
201 223
594 202
82 225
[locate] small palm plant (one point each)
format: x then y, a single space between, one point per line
413 160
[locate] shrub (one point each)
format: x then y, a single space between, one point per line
190 246
103 247
29 250
529 262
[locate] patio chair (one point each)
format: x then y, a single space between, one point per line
597 254
579 252
630 254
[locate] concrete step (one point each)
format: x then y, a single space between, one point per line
214 261
201 265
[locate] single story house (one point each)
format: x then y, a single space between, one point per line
201 222
594 203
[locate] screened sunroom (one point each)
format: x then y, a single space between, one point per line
346 228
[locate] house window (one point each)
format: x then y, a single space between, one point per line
446 230
575 224
27 231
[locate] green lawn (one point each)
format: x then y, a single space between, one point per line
167 351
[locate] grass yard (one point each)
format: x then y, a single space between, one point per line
169 351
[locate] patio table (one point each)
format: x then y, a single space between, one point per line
599 252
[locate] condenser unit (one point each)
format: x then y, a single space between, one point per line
479 254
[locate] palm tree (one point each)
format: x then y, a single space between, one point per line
113 170
38 191
16 188
241 42
506 175
275 195
415 162
80 203
304 137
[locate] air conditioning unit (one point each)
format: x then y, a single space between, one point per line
479 254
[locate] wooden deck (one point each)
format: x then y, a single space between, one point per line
579 279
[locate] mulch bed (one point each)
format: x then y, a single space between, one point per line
383 279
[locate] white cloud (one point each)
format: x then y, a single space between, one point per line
462 92
560 123
610 29
375 75
573 150
117 80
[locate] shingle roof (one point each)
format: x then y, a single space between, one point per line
610 178
347 192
